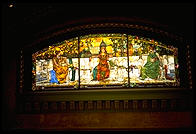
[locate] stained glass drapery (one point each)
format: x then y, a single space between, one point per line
105 60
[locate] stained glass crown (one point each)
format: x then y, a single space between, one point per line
102 44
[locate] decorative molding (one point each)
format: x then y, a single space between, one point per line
188 58
87 27
21 68
106 105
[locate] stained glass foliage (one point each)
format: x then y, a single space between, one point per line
105 60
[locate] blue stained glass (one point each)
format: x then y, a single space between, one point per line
53 77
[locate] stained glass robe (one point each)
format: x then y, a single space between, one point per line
61 70
151 69
101 71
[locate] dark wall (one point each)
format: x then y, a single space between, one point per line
23 22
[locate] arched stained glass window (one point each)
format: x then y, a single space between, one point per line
105 61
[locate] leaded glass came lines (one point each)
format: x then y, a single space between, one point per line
101 61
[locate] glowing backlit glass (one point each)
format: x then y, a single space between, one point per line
105 60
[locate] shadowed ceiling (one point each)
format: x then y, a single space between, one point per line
31 18
23 22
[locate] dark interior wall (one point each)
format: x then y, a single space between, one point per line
22 22
25 20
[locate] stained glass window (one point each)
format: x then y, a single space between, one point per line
105 61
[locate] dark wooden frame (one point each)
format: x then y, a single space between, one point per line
104 99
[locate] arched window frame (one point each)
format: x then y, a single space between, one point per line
77 31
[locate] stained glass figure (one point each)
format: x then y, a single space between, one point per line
152 67
60 66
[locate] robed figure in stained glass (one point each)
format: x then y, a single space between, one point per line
60 67
101 71
152 68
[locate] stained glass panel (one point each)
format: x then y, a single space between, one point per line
152 62
57 65
103 60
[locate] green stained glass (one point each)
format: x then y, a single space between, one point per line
151 62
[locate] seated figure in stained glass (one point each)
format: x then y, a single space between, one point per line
60 66
152 68
101 71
